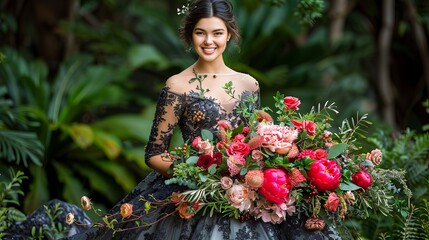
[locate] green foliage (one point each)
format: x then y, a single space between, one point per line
10 190
63 128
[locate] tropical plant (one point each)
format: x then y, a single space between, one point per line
86 147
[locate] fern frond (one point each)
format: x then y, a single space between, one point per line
17 146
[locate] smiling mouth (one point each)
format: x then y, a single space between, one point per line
209 50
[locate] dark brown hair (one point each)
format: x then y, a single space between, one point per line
209 8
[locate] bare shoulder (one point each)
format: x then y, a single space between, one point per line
251 82
179 82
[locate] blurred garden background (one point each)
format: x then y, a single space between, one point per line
79 80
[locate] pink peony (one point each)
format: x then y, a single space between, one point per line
276 186
325 175
275 136
332 202
254 178
232 162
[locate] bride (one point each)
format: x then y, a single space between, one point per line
194 105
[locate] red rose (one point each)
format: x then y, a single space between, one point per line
362 179
291 103
297 124
320 154
238 148
217 156
205 161
325 175
310 127
276 186
246 131
332 202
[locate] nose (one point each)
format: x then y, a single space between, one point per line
208 39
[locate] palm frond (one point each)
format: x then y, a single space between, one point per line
19 146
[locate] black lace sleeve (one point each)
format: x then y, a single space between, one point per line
169 109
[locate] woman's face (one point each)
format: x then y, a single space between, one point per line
210 37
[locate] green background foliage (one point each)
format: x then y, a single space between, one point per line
79 81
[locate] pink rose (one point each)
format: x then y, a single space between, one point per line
310 127
246 130
204 147
224 124
257 155
332 202
226 182
291 103
205 161
239 138
233 161
238 148
254 178
320 154
276 186
362 179
325 175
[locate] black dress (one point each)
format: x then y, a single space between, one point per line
193 108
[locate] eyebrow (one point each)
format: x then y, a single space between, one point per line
216 30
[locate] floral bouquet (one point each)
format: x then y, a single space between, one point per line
269 171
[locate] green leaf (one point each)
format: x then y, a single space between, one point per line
119 172
81 134
109 143
206 135
203 177
212 169
16 215
144 55
243 171
336 150
72 188
39 192
349 186
192 160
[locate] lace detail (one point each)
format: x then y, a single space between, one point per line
192 113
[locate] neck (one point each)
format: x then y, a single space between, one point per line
210 68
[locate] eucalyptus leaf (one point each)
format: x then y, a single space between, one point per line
349 186
336 150
192 160
206 135
212 169
203 177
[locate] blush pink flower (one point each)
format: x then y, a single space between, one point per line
291 103
276 136
254 178
257 155
203 147
375 156
276 186
233 163
332 202
226 182
325 175
240 196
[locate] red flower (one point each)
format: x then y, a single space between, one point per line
217 156
291 103
297 124
276 186
332 202
296 178
320 154
310 127
238 148
205 161
362 179
325 175
246 130
307 153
